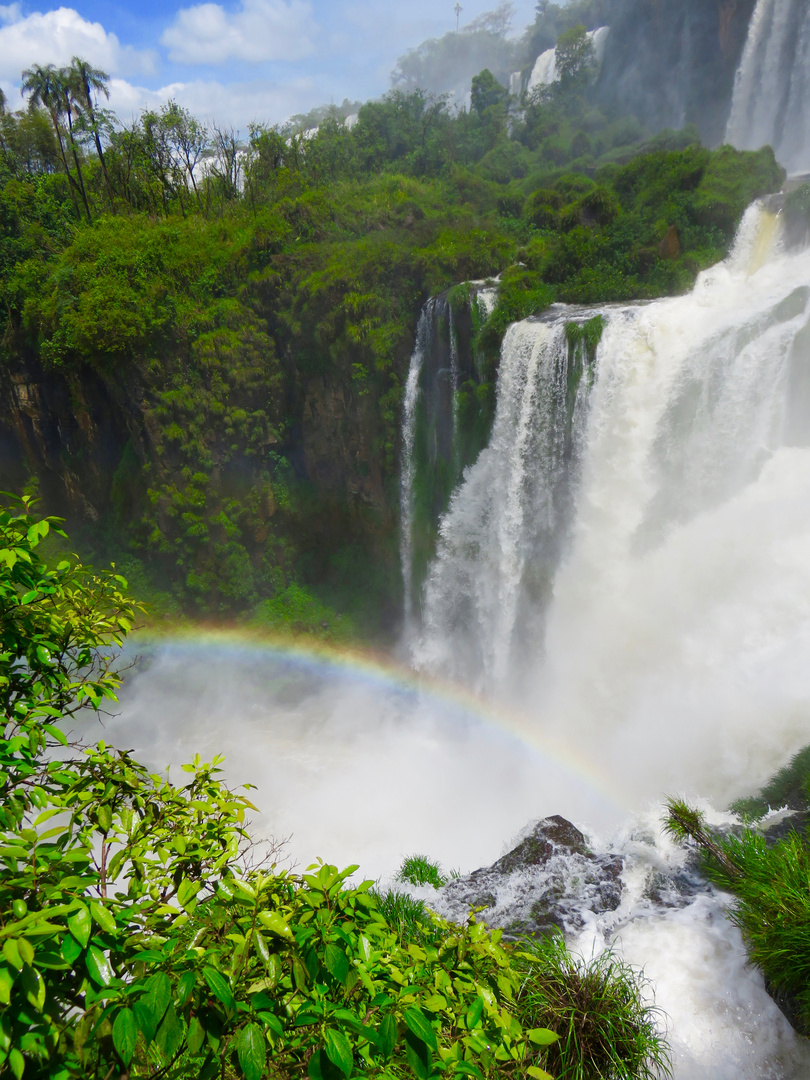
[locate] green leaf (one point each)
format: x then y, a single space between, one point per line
538 1074
70 949
125 1035
420 1026
185 986
196 1036
186 894
418 1055
80 925
252 1051
26 950
104 917
98 966
17 1063
336 963
466 1069
12 953
6 983
542 1036
218 986
34 986
387 1035
339 1051
475 1012
170 1034
154 1002
275 924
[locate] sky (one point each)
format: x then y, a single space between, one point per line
235 61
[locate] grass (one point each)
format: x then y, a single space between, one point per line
771 887
599 1008
420 870
788 787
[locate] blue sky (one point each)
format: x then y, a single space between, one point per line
234 60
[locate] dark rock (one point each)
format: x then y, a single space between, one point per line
545 884
549 835
670 246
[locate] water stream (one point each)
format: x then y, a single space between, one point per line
771 103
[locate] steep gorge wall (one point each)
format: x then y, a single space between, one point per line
673 63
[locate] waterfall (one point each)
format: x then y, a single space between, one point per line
632 565
432 457
771 101
408 467
501 534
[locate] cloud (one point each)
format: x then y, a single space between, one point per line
257 31
54 37
234 104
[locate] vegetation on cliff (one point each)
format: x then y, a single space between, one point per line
143 934
204 341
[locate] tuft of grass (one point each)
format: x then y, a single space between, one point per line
420 870
413 922
607 1028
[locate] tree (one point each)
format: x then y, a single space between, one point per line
84 81
49 88
575 56
187 137
487 93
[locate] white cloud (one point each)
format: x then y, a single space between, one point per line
235 104
256 32
54 37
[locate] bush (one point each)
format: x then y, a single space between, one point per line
607 1029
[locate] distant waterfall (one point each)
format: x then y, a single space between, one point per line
771 102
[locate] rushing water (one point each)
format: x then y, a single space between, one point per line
771 103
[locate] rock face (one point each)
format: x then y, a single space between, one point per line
548 882
672 64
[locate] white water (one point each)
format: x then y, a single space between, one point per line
771 102
680 615
544 72
407 467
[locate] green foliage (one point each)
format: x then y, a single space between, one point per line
575 56
769 882
790 786
251 332
420 870
599 1010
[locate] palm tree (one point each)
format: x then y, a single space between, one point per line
45 86
85 80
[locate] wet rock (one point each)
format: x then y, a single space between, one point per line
548 882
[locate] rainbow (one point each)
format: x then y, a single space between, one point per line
382 671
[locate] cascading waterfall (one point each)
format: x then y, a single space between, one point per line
431 416
633 560
632 568
771 102
500 538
